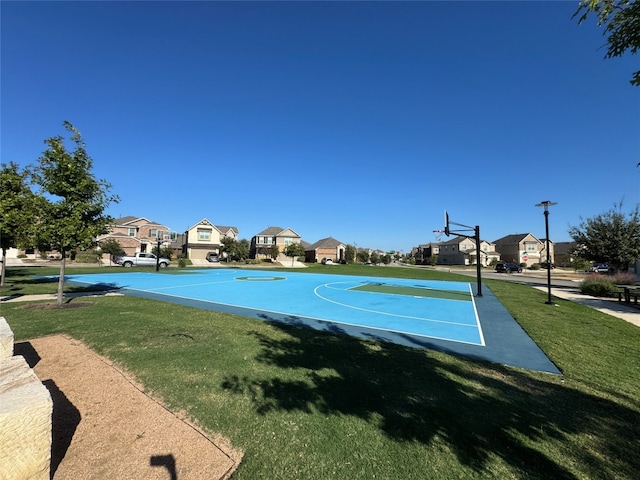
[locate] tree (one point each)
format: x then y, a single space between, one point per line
233 249
374 258
350 253
274 251
72 200
242 249
16 210
112 247
363 256
294 250
621 21
609 237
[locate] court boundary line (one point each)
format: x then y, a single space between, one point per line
302 317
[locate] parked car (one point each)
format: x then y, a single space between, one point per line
600 268
327 261
213 257
141 259
508 268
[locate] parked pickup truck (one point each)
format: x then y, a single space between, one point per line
142 260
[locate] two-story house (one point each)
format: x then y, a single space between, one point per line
325 248
523 248
425 253
137 234
462 251
262 243
204 238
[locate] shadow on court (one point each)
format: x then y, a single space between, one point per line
417 395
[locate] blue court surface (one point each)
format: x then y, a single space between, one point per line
437 315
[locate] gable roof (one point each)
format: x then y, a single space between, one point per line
514 238
204 221
328 242
124 221
275 232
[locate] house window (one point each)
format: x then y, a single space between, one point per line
288 241
132 232
154 233
204 235
530 247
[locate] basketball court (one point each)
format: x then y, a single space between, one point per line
437 315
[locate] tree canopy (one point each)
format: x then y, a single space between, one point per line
72 201
621 22
294 250
16 210
610 237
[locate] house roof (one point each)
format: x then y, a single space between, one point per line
514 238
225 228
124 221
328 242
454 241
562 248
275 232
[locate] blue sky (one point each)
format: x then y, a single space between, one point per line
363 121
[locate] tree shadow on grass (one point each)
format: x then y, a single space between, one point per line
481 410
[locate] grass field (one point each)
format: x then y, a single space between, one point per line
304 404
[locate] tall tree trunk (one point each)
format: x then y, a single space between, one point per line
4 264
63 261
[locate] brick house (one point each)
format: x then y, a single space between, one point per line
523 248
325 248
137 234
262 242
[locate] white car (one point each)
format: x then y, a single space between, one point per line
327 261
600 268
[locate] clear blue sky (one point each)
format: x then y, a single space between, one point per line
356 120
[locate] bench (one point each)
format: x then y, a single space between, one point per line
628 293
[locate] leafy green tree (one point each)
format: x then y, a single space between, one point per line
610 237
350 254
112 247
363 256
621 22
165 251
274 251
294 250
229 247
72 200
242 249
16 207
375 258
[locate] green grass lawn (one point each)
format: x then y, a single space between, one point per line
309 405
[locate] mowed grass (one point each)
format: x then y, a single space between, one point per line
309 405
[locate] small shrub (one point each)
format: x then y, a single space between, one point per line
623 278
90 256
535 266
182 262
598 286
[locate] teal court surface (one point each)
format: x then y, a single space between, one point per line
437 315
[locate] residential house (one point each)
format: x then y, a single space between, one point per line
424 253
137 234
203 238
326 248
523 248
262 243
462 251
564 253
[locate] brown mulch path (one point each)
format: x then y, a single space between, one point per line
105 427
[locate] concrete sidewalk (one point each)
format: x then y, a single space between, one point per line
610 307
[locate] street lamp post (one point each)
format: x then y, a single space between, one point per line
546 204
